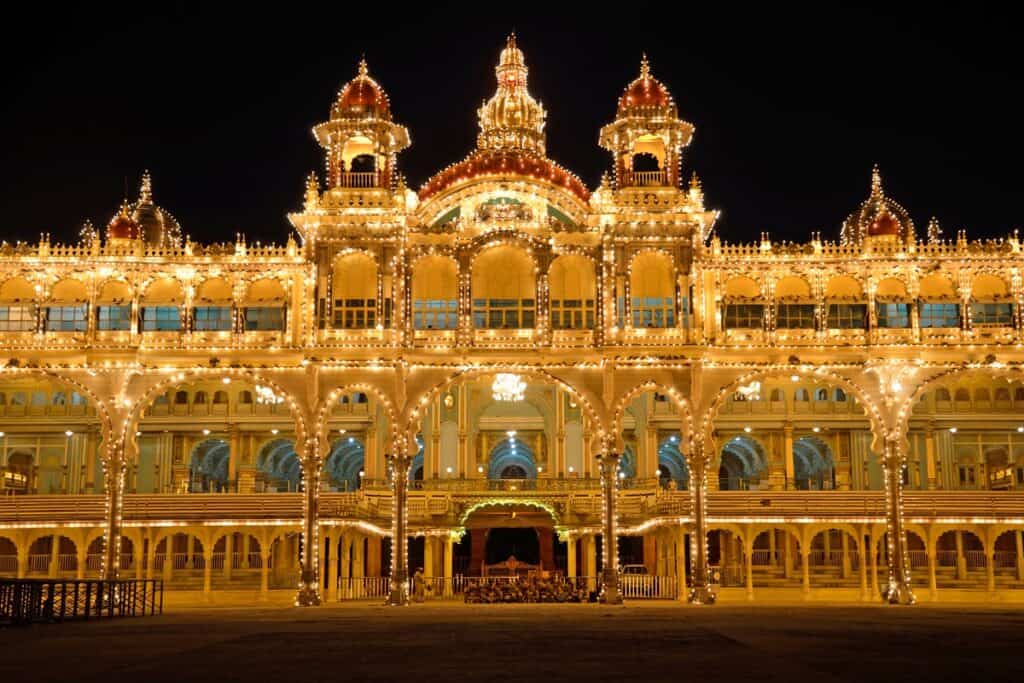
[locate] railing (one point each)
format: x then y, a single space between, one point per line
359 179
363 587
645 178
642 586
24 601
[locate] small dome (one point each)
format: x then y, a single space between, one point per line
645 94
877 216
362 98
884 224
156 225
123 226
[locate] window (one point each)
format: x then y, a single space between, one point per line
893 315
503 313
992 314
744 316
355 314
161 319
439 314
262 318
572 314
17 318
847 316
115 317
939 315
655 311
206 318
66 318
795 316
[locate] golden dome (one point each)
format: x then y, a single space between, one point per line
645 95
512 119
157 226
362 98
877 216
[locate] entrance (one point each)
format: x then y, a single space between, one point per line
509 537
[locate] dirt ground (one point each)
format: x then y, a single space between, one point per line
455 642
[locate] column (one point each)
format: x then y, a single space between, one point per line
399 590
933 585
309 563
429 543
229 555
898 590
787 451
990 568
54 556
150 555
332 568
873 545
961 560
570 568
846 555
608 466
264 569
234 455
358 573
805 564
207 569
1019 535
862 566
772 560
929 448
449 576
748 551
590 558
113 475
700 593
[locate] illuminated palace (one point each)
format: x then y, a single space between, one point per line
507 373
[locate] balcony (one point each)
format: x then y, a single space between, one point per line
645 179
359 180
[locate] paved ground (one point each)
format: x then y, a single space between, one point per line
454 642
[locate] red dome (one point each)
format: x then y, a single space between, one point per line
884 224
122 227
362 97
644 93
508 164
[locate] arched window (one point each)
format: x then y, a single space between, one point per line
812 464
220 397
573 292
354 285
652 291
200 398
942 394
991 302
181 398
962 394
838 395
821 394
59 398
245 397
512 456
801 394
208 466
435 295
345 463
673 470
503 289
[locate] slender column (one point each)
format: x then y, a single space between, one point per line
700 593
608 465
358 573
898 591
805 564
54 556
929 447
150 555
846 554
22 561
748 549
1019 535
862 566
264 570
874 564
570 547
207 569
399 592
309 561
787 452
332 568
345 553
990 570
933 585
113 475
229 555
428 556
449 576
590 556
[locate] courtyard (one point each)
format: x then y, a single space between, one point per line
647 641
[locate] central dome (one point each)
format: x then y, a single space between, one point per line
644 94
512 119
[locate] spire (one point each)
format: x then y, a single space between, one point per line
511 119
146 189
645 66
364 70
876 182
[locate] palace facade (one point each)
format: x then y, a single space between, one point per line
505 370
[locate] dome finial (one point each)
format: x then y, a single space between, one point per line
510 42
876 182
645 66
146 188
364 70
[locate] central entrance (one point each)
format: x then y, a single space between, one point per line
510 539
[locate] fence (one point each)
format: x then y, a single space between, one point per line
24 601
632 586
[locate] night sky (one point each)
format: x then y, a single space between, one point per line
791 106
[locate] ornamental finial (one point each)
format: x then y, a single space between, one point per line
364 70
645 66
876 182
510 42
146 188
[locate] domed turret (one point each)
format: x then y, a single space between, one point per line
122 226
647 137
878 216
157 227
512 119
361 140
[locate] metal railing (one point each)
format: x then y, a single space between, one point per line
645 178
25 601
363 587
646 586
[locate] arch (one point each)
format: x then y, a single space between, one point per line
741 287
503 288
935 287
354 290
514 502
333 397
844 288
435 293
673 467
17 289
793 288
652 290
813 464
817 375
345 462
280 465
511 458
681 403
69 291
114 292
267 290
744 459
891 289
208 465
214 290
988 287
102 413
164 291
948 377
572 287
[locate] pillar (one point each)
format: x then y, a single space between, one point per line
150 556
787 448
309 563
429 544
608 466
332 568
399 589
873 544
805 564
345 553
229 554
82 553
898 591
772 561
929 448
749 562
264 570
990 569
961 560
449 577
846 555
54 567
207 569
862 567
933 584
1019 535
570 568
113 475
234 454
358 572
700 593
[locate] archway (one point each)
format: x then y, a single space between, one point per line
208 466
673 470
503 286
279 467
509 538
512 458
345 464
742 462
813 468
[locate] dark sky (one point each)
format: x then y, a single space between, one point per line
791 106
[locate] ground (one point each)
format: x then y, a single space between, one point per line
650 641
